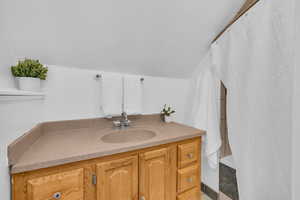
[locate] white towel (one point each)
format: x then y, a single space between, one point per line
207 115
133 90
111 95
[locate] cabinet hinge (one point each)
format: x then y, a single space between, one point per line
94 179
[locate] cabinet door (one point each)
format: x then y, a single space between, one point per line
118 179
62 186
155 175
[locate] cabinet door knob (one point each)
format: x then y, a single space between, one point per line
57 195
190 155
142 198
190 179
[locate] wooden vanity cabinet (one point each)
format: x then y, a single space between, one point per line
165 172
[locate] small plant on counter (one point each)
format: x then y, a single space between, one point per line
29 74
166 113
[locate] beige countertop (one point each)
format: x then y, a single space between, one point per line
56 143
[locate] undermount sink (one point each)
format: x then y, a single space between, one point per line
128 135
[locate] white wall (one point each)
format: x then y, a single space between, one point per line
72 94
296 109
296 129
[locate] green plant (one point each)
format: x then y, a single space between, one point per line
167 110
29 68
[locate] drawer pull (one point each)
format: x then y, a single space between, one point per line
142 198
57 195
190 179
190 155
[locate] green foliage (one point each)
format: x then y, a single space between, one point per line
167 110
30 68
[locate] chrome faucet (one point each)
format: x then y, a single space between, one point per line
123 122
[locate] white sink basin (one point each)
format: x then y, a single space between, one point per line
128 135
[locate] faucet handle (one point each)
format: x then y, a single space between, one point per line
117 123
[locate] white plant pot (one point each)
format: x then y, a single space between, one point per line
168 119
29 84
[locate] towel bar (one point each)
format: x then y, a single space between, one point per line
98 76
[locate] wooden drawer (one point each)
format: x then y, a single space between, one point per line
62 186
188 178
193 194
188 153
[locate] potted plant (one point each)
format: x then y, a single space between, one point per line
29 74
167 113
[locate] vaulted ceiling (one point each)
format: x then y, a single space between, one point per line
151 37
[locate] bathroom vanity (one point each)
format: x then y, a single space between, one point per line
91 160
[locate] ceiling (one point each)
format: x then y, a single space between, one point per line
150 37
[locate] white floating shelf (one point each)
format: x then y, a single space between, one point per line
13 94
